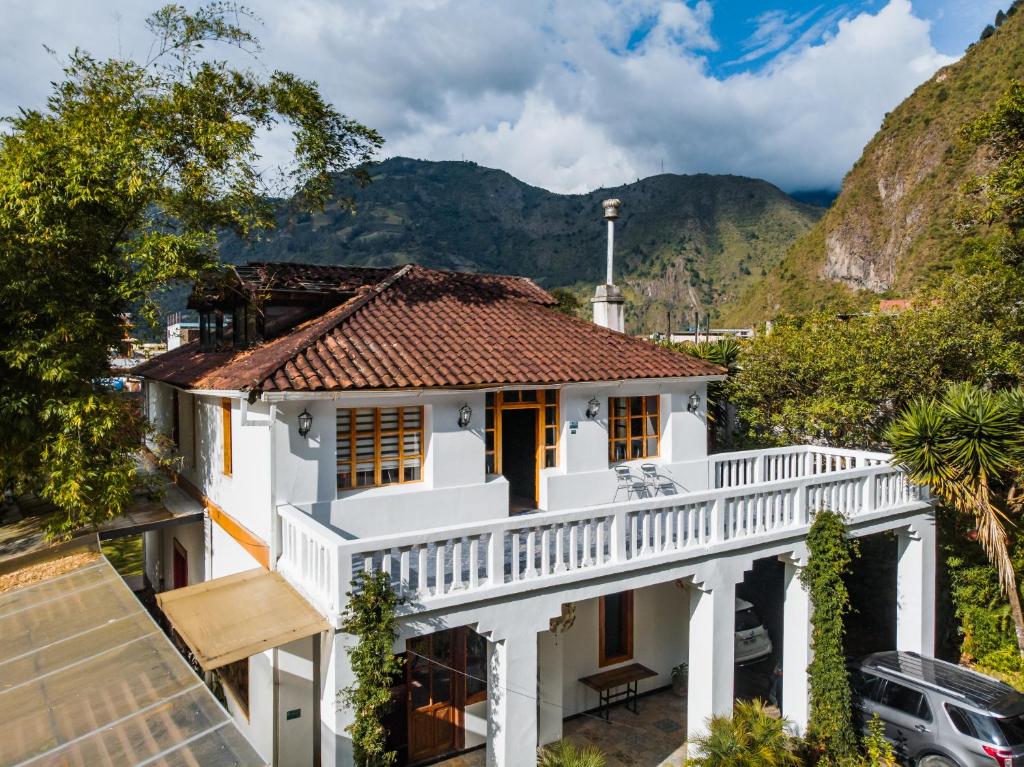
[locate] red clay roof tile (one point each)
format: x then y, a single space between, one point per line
423 328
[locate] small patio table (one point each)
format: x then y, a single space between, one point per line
606 682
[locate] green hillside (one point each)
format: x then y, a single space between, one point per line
690 242
891 228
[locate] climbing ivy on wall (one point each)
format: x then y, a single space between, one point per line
370 617
830 728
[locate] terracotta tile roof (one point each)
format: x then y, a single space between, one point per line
422 328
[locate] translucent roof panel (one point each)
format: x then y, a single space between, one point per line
87 678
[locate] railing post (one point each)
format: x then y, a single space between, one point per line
343 558
716 520
800 511
618 542
759 465
870 482
496 558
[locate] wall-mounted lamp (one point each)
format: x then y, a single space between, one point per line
593 408
694 404
305 422
465 416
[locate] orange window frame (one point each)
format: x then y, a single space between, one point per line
547 401
627 625
648 418
353 435
226 437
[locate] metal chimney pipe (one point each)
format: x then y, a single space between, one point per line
611 212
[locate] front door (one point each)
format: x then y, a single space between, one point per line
433 714
519 454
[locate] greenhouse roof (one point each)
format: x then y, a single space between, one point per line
88 678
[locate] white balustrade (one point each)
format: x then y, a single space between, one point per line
754 494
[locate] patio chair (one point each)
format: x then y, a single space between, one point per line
632 486
658 484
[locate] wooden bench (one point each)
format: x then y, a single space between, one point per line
605 683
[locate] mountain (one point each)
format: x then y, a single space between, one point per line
689 242
891 228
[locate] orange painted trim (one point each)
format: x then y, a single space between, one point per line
256 546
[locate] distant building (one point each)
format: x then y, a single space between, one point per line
691 335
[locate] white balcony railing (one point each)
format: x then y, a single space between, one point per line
756 494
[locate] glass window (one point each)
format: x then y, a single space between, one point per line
235 678
544 400
1011 729
616 627
476 667
905 699
747 620
379 446
634 428
867 685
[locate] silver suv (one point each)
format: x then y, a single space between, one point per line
937 714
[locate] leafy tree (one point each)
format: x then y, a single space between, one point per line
726 353
568 302
841 381
751 737
830 728
370 616
117 188
968 448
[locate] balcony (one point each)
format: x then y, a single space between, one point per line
756 496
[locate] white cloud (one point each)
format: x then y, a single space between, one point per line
549 91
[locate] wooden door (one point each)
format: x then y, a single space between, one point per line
433 711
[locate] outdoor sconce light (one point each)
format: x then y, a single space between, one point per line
305 422
593 408
465 415
694 403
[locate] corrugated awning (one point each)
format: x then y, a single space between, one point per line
88 678
237 616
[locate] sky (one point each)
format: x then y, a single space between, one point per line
569 95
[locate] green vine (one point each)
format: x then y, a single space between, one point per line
830 728
370 616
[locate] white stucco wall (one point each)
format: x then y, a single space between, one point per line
584 477
454 488
660 642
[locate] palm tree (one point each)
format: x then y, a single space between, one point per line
724 352
751 737
563 753
968 449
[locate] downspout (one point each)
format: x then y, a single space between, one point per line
274 553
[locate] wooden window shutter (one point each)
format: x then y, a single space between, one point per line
225 430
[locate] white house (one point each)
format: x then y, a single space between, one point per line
489 452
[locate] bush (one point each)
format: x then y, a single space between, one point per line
751 737
831 721
370 616
564 754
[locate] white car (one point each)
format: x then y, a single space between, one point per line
752 640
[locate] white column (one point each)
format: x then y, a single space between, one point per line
549 686
796 650
915 588
512 699
712 652
336 744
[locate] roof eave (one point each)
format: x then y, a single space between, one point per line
331 394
